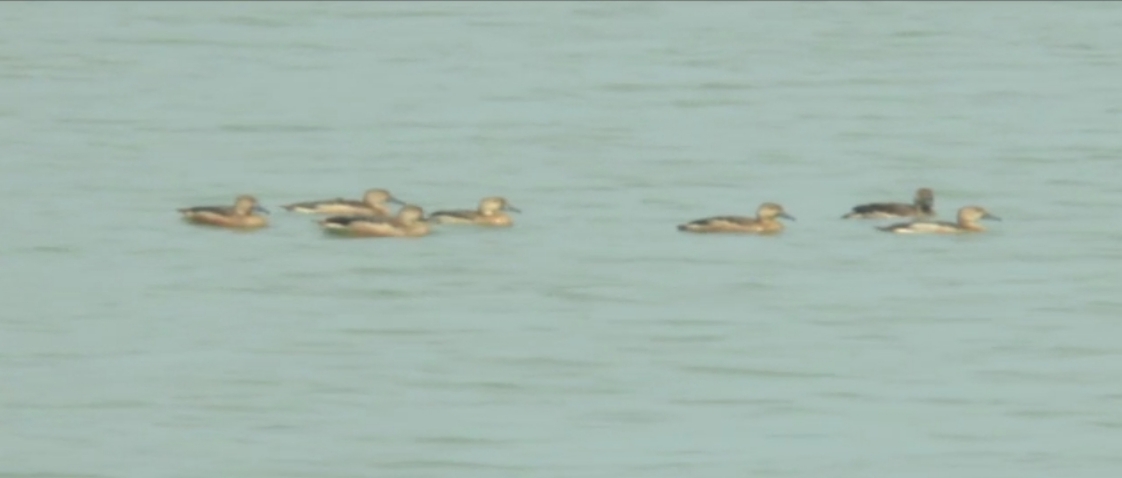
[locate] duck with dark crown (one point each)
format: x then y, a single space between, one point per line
922 206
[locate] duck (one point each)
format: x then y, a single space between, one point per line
922 206
491 212
373 203
240 215
765 222
968 221
409 222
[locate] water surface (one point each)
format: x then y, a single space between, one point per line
592 339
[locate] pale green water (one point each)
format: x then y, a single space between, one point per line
592 339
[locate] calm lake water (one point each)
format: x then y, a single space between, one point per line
592 339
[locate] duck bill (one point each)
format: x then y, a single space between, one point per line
260 209
786 216
393 200
990 217
510 208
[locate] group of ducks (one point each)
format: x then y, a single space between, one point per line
371 216
368 217
921 210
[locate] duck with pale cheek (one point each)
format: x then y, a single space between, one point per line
923 205
409 222
492 211
373 203
765 222
240 215
968 218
